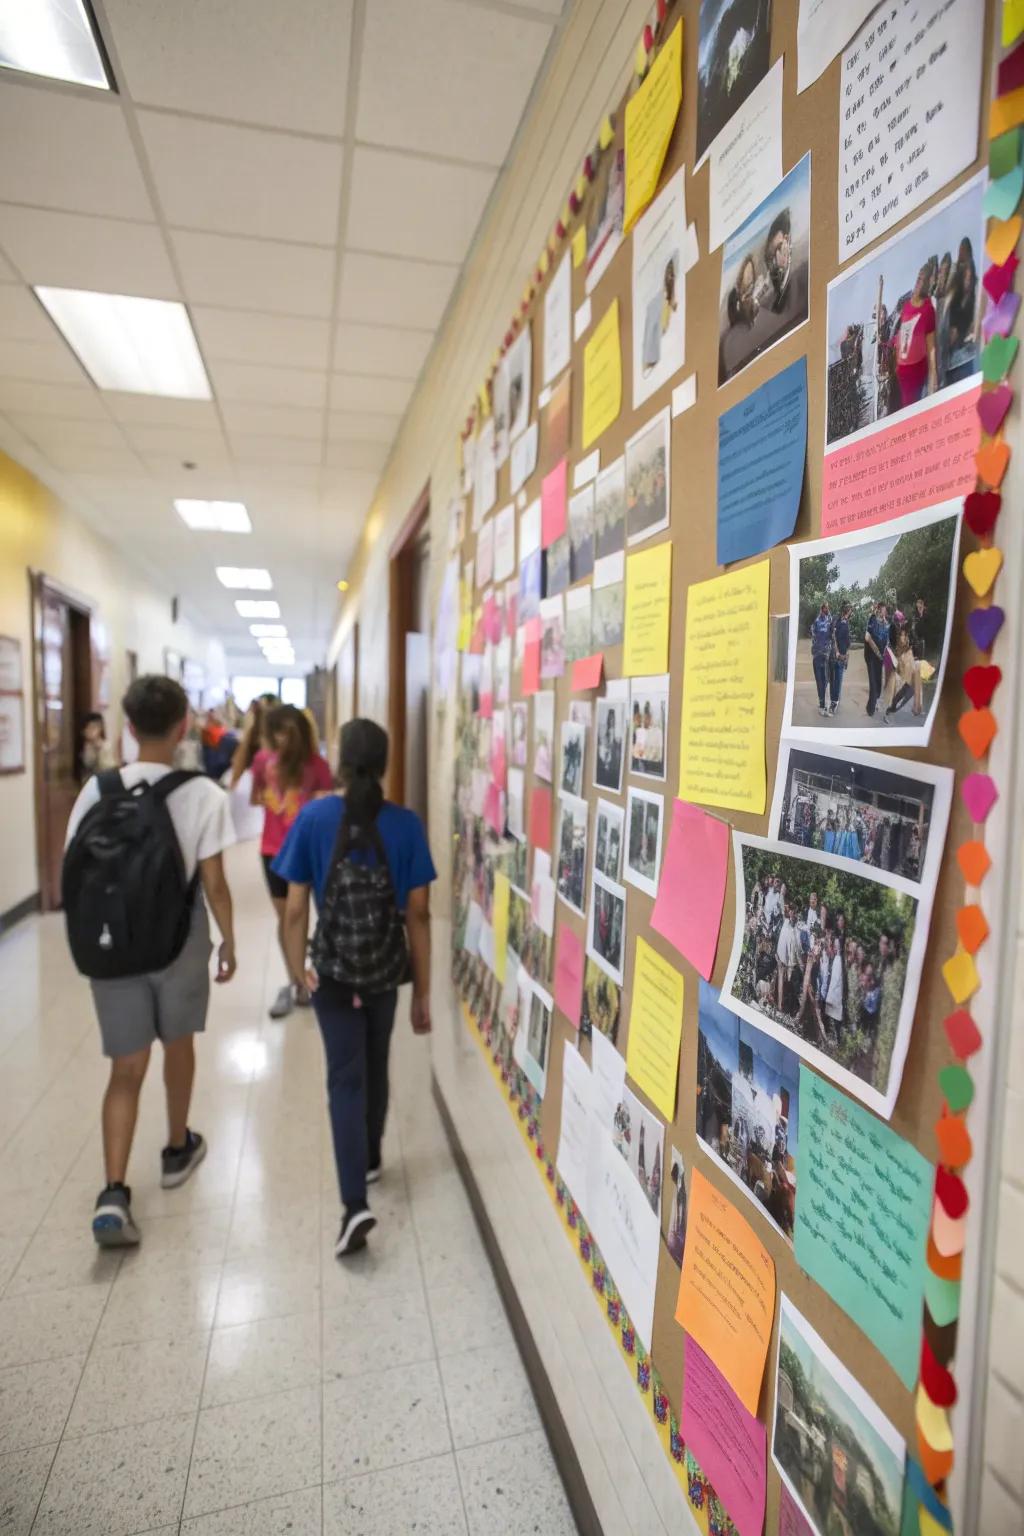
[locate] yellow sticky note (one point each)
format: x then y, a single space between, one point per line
602 376
499 921
960 975
579 246
648 609
650 118
655 1028
725 687
933 1422
1006 112
1013 21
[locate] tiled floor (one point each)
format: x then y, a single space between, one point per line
231 1376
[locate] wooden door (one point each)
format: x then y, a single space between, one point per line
63 697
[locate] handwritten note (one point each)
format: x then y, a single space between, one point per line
602 376
725 684
730 1444
762 445
570 959
862 1218
688 909
655 1028
650 118
726 1290
648 611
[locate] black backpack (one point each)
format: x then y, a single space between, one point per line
360 934
127 903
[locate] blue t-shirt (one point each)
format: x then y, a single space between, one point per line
306 855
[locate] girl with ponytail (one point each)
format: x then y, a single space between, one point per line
368 863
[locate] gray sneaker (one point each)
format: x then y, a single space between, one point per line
112 1224
177 1163
283 1003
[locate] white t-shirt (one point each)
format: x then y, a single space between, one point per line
200 812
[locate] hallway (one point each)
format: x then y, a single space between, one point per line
230 1375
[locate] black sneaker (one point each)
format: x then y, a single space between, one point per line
177 1163
356 1227
373 1174
112 1224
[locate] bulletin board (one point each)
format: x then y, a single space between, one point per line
811 122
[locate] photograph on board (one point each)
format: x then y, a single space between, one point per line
659 290
574 743
837 1453
827 960
887 813
518 362
533 1036
581 533
608 612
610 739
765 274
581 712
571 851
733 53
520 728
608 836
648 500
556 566
552 637
578 605
606 941
543 734
531 577
610 510
904 324
639 1137
499 413
869 637
604 217
648 726
676 1240
748 1095
514 811
602 1001
644 820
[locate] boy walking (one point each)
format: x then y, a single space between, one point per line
138 927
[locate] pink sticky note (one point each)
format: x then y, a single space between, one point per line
569 960
499 763
688 909
531 657
511 608
486 706
553 492
792 1520
540 817
729 1443
586 673
493 810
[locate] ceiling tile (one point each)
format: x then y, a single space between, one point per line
71 152
261 448
361 455
300 476
447 78
355 393
269 386
161 411
74 250
253 182
349 488
22 317
286 65
92 458
45 362
255 274
196 444
395 201
55 432
76 402
7 272
385 290
245 419
380 350
362 426
241 336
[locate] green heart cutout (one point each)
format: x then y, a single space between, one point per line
957 1087
997 358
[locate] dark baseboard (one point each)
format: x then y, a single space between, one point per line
21 909
562 1448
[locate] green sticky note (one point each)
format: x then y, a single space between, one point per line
957 1086
1004 153
943 1298
997 358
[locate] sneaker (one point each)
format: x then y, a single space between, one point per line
112 1224
356 1226
835 706
283 1003
177 1163
822 710
373 1174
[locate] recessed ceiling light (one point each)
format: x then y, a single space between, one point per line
343 585
138 346
55 38
250 578
257 608
213 516
269 631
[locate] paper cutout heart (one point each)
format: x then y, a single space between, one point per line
991 460
981 567
932 1422
973 859
1003 195
926 1495
955 1149
1011 72
963 1034
937 1464
1003 236
1002 317
957 1087
977 728
997 357
936 1380
949 1237
972 929
993 406
952 1191
984 624
998 279
979 794
946 1266
929 1524
980 683
960 974
981 508
942 1298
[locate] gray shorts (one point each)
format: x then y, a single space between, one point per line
133 1011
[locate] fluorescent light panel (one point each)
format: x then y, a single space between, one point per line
138 346
257 608
212 516
249 578
269 631
54 38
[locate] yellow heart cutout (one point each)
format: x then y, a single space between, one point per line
991 459
1003 235
933 1422
981 567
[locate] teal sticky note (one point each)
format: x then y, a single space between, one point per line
942 1297
863 1204
1002 196
1004 153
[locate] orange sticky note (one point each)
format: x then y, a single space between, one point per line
974 861
1006 112
960 975
727 1290
955 1146
972 927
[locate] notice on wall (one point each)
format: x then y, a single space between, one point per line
659 290
908 112
762 447
726 1290
655 1028
523 459
650 118
746 157
504 542
602 376
688 910
730 1444
628 1232
862 1218
570 959
725 685
821 31
558 320
648 610
574 1136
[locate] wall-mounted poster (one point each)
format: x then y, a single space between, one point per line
659 291
12 707
558 321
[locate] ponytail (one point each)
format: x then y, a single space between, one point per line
363 761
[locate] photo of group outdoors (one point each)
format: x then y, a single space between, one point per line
648 733
608 609
610 510
571 851
837 1453
733 53
608 839
552 637
640 1137
533 1036
574 746
676 1241
556 566
827 960
581 533
748 1094
765 274
868 644
874 810
543 734
643 839
607 937
610 744
602 1001
647 479
577 623
904 324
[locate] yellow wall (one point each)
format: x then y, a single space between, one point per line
38 533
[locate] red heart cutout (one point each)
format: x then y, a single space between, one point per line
981 508
980 683
952 1192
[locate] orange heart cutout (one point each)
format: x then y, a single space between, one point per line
981 567
1003 235
991 459
972 926
936 1465
947 1267
954 1141
978 727
974 862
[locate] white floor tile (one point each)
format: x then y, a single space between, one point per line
488 1395
132 1383
86 1491
289 1514
423 1497
275 1354
512 1486
23 1476
384 1420
255 1449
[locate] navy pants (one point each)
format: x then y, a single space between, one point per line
356 1044
835 684
821 668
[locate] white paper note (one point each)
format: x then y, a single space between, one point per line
746 158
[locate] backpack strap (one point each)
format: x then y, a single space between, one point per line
171 781
110 782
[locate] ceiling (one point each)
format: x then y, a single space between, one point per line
308 177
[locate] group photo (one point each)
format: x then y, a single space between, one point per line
610 510
648 709
610 744
602 1000
647 480
607 940
608 839
765 274
571 851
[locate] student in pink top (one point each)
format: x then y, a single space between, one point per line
285 777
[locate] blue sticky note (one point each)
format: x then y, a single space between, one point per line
923 1493
1002 196
762 446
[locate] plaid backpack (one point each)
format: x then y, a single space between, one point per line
360 934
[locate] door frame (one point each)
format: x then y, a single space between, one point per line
400 620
